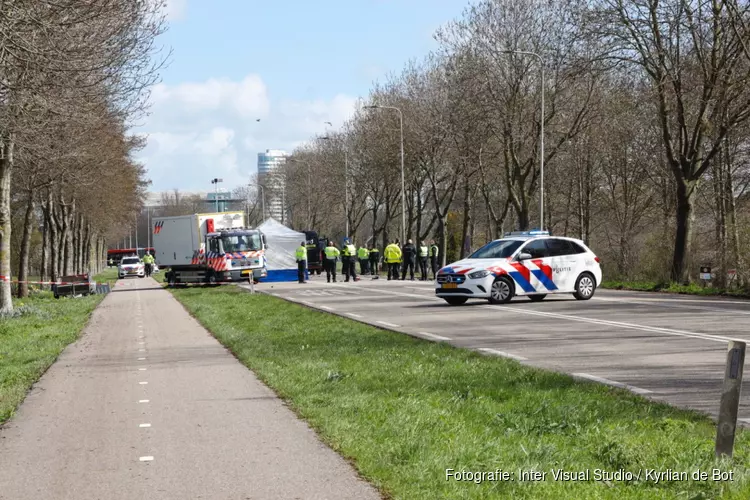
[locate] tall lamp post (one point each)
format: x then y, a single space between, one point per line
403 184
216 193
541 134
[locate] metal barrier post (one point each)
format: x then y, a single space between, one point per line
730 399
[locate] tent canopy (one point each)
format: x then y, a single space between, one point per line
282 246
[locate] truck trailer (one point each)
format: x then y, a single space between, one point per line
209 248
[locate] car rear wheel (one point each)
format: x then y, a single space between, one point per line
585 287
538 297
501 291
455 301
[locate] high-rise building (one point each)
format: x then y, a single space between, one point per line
270 176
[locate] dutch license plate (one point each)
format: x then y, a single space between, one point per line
449 285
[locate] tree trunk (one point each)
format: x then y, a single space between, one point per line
45 245
6 170
54 241
684 232
465 235
443 235
23 258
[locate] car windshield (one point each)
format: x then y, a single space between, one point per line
241 243
130 260
498 249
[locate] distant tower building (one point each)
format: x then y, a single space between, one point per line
270 177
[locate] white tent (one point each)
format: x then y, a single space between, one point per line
282 246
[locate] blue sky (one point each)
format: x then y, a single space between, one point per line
294 64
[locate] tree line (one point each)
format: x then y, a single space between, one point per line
74 77
646 104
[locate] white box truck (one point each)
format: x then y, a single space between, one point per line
209 248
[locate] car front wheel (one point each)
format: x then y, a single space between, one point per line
585 287
455 301
501 291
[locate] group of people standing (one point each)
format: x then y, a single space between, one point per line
394 257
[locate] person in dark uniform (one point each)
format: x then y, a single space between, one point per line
410 255
434 251
374 259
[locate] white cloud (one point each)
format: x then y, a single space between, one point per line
175 9
200 130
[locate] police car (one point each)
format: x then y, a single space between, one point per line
530 263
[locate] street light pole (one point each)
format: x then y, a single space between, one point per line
541 133
216 194
403 183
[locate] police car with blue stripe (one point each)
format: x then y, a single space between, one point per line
522 263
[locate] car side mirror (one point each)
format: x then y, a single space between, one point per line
524 256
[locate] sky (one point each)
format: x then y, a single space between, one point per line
248 75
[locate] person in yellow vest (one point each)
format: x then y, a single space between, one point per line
374 259
364 260
392 256
301 256
148 260
331 254
349 261
423 253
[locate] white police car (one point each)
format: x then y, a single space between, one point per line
530 263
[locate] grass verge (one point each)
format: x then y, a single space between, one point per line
405 410
33 337
691 289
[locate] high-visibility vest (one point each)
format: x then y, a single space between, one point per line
148 259
331 253
392 254
434 250
301 253
350 250
423 251
363 253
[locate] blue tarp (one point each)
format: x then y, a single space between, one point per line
282 275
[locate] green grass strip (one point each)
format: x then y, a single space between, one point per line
33 337
405 410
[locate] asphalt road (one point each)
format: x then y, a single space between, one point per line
666 347
148 405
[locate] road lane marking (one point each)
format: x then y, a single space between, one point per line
141 350
141 369
631 326
146 459
141 359
385 323
326 308
143 400
665 303
613 383
143 383
143 426
141 343
354 315
501 354
433 336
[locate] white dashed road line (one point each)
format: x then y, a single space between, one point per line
143 426
385 323
501 354
326 308
146 459
613 383
143 383
434 337
354 315
143 400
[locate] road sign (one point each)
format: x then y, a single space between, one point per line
706 273
731 272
